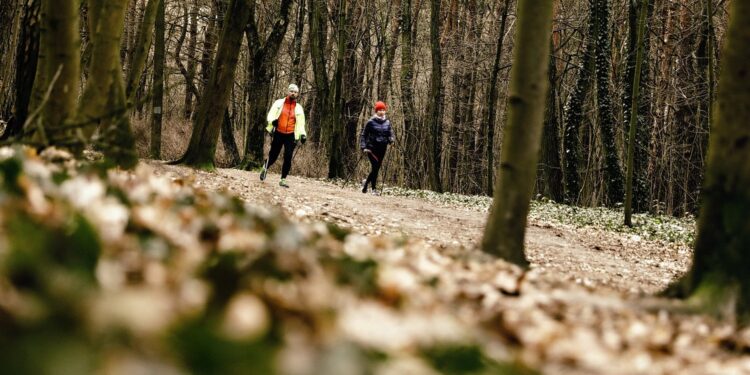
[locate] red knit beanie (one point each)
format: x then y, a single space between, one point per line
380 106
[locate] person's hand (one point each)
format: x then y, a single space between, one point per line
303 139
275 123
366 150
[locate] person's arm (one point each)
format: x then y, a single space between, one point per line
273 113
392 135
273 117
363 136
301 122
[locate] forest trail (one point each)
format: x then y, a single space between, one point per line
593 258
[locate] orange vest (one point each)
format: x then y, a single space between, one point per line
287 119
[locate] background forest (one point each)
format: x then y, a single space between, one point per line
444 75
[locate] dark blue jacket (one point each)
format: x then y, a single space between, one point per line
377 132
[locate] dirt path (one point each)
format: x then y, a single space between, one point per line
560 254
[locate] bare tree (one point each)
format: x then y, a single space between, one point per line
208 119
506 225
157 104
435 105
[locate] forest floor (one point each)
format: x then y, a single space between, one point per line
589 305
558 252
167 269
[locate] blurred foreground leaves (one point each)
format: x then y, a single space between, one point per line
103 271
111 272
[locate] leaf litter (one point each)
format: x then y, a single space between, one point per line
170 270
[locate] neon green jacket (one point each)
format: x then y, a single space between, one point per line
299 115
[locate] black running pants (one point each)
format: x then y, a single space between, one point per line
376 160
282 140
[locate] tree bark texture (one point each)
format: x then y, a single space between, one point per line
157 103
612 171
435 104
335 137
407 95
318 14
634 113
62 69
140 51
551 166
27 55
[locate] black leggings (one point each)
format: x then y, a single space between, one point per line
287 141
376 160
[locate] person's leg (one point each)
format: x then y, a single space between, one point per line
273 154
288 154
373 171
379 153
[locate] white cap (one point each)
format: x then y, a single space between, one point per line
293 87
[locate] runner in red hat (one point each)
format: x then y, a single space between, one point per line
374 140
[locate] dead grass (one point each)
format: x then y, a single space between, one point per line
175 136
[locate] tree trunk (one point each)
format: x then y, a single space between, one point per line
209 43
459 91
27 55
492 102
718 278
9 27
157 106
131 21
140 52
506 225
118 141
435 104
407 96
8 24
210 113
227 139
391 43
191 59
354 86
299 31
612 171
106 21
335 149
640 199
634 111
551 167
62 69
318 14
574 112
